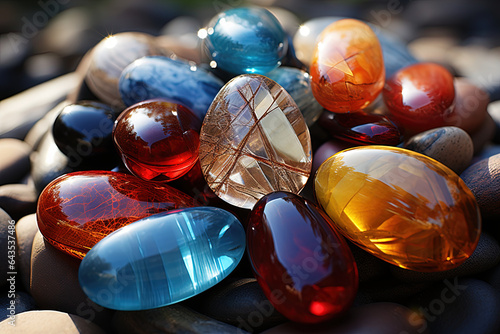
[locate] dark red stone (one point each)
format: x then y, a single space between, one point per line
361 128
77 210
303 265
158 140
420 97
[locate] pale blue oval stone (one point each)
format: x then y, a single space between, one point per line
174 80
163 259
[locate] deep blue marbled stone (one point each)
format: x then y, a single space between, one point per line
298 84
246 40
163 259
177 81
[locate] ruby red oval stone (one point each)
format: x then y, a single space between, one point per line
77 210
303 265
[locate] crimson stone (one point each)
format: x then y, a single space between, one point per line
361 128
77 210
158 140
303 265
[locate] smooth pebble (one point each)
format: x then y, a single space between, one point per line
6 234
18 200
14 160
26 229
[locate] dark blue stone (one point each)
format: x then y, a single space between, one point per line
245 40
163 259
176 81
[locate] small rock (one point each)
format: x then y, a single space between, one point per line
36 133
376 318
449 145
14 161
370 268
241 303
22 302
49 322
484 135
7 241
26 229
18 200
483 179
471 106
54 284
460 306
486 256
169 320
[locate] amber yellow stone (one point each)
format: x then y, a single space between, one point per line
401 206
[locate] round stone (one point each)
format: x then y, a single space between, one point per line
347 70
401 206
254 141
449 145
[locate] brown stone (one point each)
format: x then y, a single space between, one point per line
14 160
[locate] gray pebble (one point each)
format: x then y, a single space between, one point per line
26 229
486 256
36 133
169 320
449 145
18 200
14 160
7 244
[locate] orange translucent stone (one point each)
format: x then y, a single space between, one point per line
401 206
347 70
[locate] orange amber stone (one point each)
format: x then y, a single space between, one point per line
77 210
347 70
401 206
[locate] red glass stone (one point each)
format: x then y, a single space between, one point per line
78 209
420 97
158 140
361 128
303 265
347 69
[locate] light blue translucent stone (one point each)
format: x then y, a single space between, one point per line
163 259
298 84
173 80
246 40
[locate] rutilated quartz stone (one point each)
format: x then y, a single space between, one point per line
347 70
254 141
401 206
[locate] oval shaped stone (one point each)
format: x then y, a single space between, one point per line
157 140
361 128
420 97
78 209
163 259
254 141
303 265
84 129
401 206
347 70
245 40
298 84
176 81
449 145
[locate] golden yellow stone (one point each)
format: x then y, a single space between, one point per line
401 206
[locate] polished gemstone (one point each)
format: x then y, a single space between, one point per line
84 130
420 97
303 265
163 259
361 128
347 70
298 84
157 140
401 206
254 141
177 81
78 209
110 56
394 50
245 40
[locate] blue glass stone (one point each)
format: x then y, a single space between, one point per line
298 84
177 81
163 259
245 40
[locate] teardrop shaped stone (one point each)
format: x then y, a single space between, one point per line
254 141
78 209
303 265
401 206
163 259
